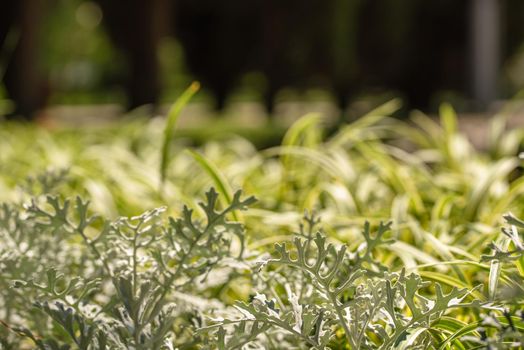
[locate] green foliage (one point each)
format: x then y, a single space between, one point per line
172 117
90 274
138 272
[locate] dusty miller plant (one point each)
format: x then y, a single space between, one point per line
318 295
129 275
499 326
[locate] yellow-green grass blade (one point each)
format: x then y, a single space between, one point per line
473 326
394 173
451 325
499 171
305 131
434 132
496 269
452 282
448 119
220 181
367 127
172 118
502 205
325 163
411 338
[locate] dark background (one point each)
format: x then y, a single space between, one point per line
136 52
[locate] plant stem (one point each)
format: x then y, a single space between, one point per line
341 319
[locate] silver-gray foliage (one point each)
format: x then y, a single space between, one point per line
318 295
128 273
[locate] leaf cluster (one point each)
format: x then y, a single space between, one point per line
321 295
128 276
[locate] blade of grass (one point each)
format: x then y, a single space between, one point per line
481 190
218 178
325 163
440 248
172 117
478 265
411 338
303 131
516 189
495 269
457 328
394 173
400 248
434 132
473 326
356 130
448 118
452 282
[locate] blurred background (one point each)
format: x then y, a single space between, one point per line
259 57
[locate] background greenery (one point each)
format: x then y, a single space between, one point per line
336 47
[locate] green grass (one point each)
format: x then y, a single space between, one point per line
446 202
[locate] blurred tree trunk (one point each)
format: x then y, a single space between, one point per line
136 27
485 46
23 79
344 31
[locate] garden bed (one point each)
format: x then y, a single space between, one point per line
351 242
